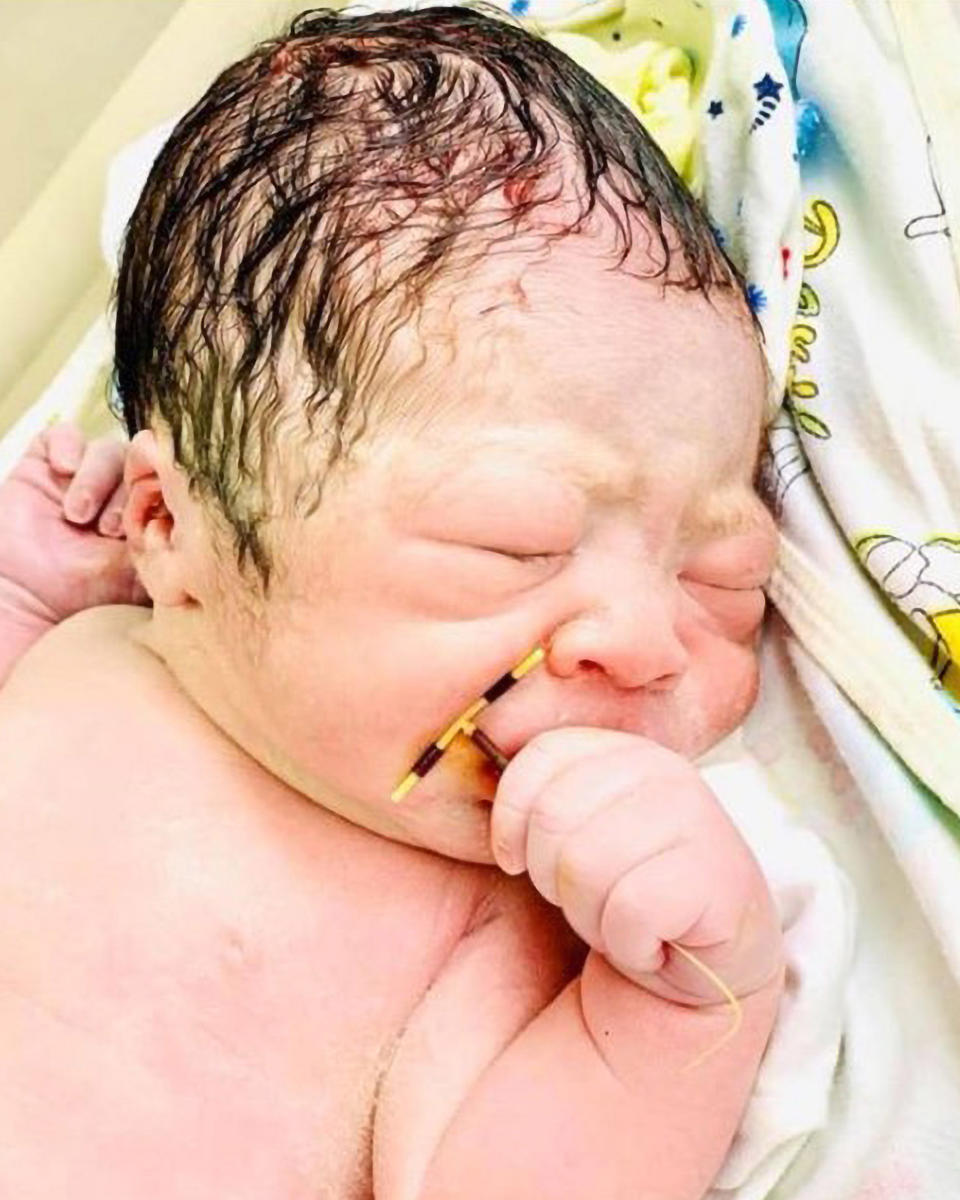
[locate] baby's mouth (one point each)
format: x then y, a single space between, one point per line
464 725
488 747
474 766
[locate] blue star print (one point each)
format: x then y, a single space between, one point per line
767 87
519 7
738 23
716 108
768 98
756 297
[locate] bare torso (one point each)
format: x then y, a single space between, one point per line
204 977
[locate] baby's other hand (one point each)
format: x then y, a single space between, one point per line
62 547
628 840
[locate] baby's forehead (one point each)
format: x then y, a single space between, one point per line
536 460
577 287
573 328
544 372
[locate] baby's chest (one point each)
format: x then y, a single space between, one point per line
212 991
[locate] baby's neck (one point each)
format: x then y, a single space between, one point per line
209 682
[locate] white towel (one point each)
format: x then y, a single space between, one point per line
792 1094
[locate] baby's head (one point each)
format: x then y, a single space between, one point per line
432 358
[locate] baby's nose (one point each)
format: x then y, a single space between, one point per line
633 640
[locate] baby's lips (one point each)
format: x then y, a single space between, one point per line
495 755
511 720
541 704
509 737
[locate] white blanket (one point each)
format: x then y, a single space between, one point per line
792 1094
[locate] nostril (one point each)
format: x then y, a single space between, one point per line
621 675
663 683
590 666
631 653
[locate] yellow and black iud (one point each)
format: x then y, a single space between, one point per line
465 724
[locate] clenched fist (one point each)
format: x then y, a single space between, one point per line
636 850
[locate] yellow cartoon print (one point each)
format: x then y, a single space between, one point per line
821 222
923 580
820 219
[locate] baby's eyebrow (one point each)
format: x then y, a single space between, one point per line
744 513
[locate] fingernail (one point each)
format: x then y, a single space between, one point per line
111 524
79 508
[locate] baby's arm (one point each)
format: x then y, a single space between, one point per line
592 1096
616 1087
61 541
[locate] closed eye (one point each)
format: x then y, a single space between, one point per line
725 586
524 556
738 610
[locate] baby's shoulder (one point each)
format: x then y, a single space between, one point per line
91 654
89 693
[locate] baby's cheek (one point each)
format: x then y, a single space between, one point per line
726 678
741 613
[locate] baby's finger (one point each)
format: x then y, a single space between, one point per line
64 444
111 519
96 480
658 901
626 834
525 779
573 801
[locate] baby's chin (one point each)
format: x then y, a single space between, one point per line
449 811
451 819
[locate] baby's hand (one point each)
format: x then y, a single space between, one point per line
62 547
627 839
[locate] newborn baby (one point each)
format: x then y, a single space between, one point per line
428 359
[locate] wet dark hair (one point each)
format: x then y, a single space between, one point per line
300 210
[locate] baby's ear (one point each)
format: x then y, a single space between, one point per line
150 522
